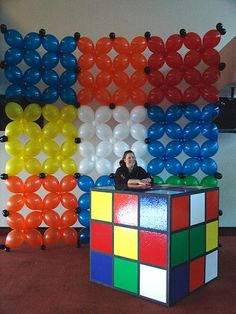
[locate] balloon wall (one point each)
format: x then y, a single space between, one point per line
98 99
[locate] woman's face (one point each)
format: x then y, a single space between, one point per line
130 160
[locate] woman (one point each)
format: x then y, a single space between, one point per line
129 174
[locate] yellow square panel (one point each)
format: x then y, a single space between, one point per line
101 206
126 242
211 235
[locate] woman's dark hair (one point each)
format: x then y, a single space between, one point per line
122 163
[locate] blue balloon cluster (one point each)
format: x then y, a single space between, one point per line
41 68
183 139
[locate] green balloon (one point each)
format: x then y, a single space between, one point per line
174 180
191 181
209 181
157 180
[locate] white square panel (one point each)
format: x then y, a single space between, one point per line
211 269
153 283
197 208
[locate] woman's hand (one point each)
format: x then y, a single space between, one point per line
142 182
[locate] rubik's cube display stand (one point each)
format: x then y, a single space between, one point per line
160 245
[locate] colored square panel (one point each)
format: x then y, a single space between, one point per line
179 212
126 274
196 279
153 248
153 283
211 235
179 247
126 209
126 242
101 268
101 237
153 212
197 241
212 205
197 208
101 206
211 268
179 282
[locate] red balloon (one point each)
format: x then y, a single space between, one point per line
15 203
51 201
32 184
138 79
174 60
156 61
51 184
210 93
156 44
33 237
33 201
15 238
86 79
16 221
191 94
211 39
51 236
33 220
138 61
69 218
14 184
156 78
155 96
68 183
103 96
192 76
85 96
210 75
121 45
120 96
121 62
104 62
174 43
103 45
85 45
52 219
103 79
192 41
138 44
121 79
138 96
86 61
69 201
173 77
174 95
211 57
192 58
69 235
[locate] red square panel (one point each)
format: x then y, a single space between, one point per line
153 248
179 213
126 209
196 273
212 205
101 237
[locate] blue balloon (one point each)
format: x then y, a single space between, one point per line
192 112
32 41
173 166
50 95
14 92
50 43
50 77
173 149
84 235
104 181
13 56
191 166
68 61
155 166
13 74
50 60
191 148
13 38
156 114
156 131
210 112
209 166
32 93
68 78
68 96
32 58
191 130
209 148
173 113
67 44
84 217
210 131
32 76
156 149
85 183
174 131
84 201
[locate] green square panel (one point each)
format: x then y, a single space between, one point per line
126 275
197 241
179 247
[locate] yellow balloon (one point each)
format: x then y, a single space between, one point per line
32 130
51 148
69 166
69 130
14 129
32 112
68 113
14 111
14 148
33 166
50 166
32 148
68 148
51 130
51 112
14 166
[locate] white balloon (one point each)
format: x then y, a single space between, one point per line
103 114
86 166
103 166
121 131
120 114
119 148
87 131
116 165
86 114
86 149
142 163
138 114
139 148
104 149
138 131
103 132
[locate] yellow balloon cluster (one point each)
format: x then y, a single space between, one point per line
59 122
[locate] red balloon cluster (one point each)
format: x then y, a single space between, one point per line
43 210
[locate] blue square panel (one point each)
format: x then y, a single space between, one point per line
153 212
101 268
179 283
